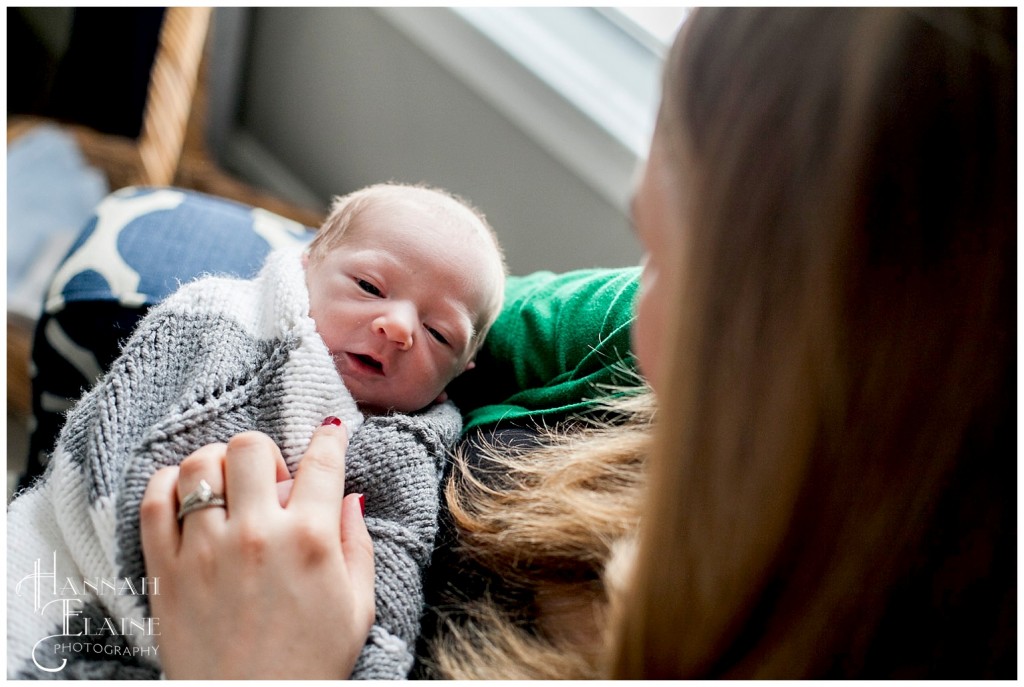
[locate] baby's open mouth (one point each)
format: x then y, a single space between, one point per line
369 361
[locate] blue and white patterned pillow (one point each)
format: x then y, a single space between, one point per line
139 246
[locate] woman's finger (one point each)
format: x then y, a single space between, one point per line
158 518
320 480
284 491
357 548
203 465
252 468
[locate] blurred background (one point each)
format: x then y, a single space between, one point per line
539 116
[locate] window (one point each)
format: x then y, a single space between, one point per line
584 82
655 25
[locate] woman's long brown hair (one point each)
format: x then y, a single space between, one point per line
831 488
544 521
836 493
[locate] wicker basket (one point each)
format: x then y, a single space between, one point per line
169 150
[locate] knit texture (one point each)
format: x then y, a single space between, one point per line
218 357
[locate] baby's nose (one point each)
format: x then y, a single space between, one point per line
397 328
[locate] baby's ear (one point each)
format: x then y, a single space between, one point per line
469 366
305 259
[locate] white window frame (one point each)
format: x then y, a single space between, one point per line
572 78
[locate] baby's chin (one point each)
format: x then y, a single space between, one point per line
371 403
371 409
376 408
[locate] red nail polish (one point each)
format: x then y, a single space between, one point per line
331 420
362 504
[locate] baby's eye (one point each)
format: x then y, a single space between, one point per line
368 287
437 335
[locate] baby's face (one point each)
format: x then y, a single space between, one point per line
398 303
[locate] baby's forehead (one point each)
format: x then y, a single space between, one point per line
421 213
427 222
404 234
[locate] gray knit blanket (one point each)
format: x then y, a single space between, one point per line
218 357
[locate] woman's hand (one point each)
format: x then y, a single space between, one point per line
260 590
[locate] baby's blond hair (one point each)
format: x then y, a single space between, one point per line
346 210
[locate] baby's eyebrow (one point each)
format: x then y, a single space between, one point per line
471 339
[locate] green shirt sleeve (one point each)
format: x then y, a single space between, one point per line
561 343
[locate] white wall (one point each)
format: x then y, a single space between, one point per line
341 99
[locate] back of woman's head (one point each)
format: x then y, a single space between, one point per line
835 493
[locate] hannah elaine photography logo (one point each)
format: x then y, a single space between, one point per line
86 632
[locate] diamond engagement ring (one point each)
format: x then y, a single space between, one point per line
201 497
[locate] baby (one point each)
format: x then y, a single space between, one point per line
390 302
404 283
